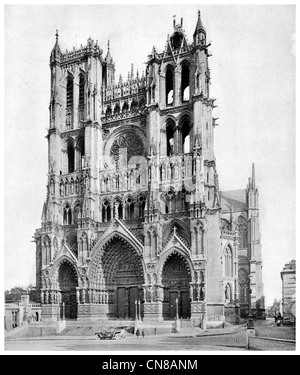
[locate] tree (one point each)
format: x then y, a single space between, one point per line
15 293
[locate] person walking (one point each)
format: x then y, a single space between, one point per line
143 333
279 319
137 333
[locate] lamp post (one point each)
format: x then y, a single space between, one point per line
250 323
136 315
139 303
177 316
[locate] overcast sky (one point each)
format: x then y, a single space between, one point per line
253 80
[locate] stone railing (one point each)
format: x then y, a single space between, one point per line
119 116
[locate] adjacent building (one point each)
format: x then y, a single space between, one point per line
288 277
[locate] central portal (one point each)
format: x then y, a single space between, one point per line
123 274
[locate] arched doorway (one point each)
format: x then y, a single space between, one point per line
176 280
67 279
121 272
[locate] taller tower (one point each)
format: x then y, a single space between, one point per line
132 213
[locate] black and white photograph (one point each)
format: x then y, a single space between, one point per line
149 180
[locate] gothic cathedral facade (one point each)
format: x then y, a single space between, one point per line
133 213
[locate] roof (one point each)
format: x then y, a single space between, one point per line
233 198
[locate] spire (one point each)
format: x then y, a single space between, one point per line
253 176
55 54
109 59
131 74
199 26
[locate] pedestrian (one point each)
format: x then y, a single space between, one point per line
137 333
275 316
143 333
279 319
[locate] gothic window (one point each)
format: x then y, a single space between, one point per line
153 92
142 103
81 96
170 85
70 153
125 107
71 241
70 92
243 285
61 189
142 203
198 81
185 82
228 262
77 210
69 103
67 219
185 127
134 106
119 207
67 187
106 211
117 109
130 209
243 231
108 111
170 132
80 153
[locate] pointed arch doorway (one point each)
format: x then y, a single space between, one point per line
67 280
121 272
176 280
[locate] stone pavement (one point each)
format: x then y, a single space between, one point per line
231 338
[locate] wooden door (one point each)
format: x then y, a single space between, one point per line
121 311
185 310
133 296
173 296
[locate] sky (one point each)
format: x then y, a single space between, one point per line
252 78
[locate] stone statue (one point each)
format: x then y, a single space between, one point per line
46 297
198 292
59 297
191 293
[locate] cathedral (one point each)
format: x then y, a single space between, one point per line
134 219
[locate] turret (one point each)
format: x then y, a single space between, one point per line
55 53
252 192
200 33
110 68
